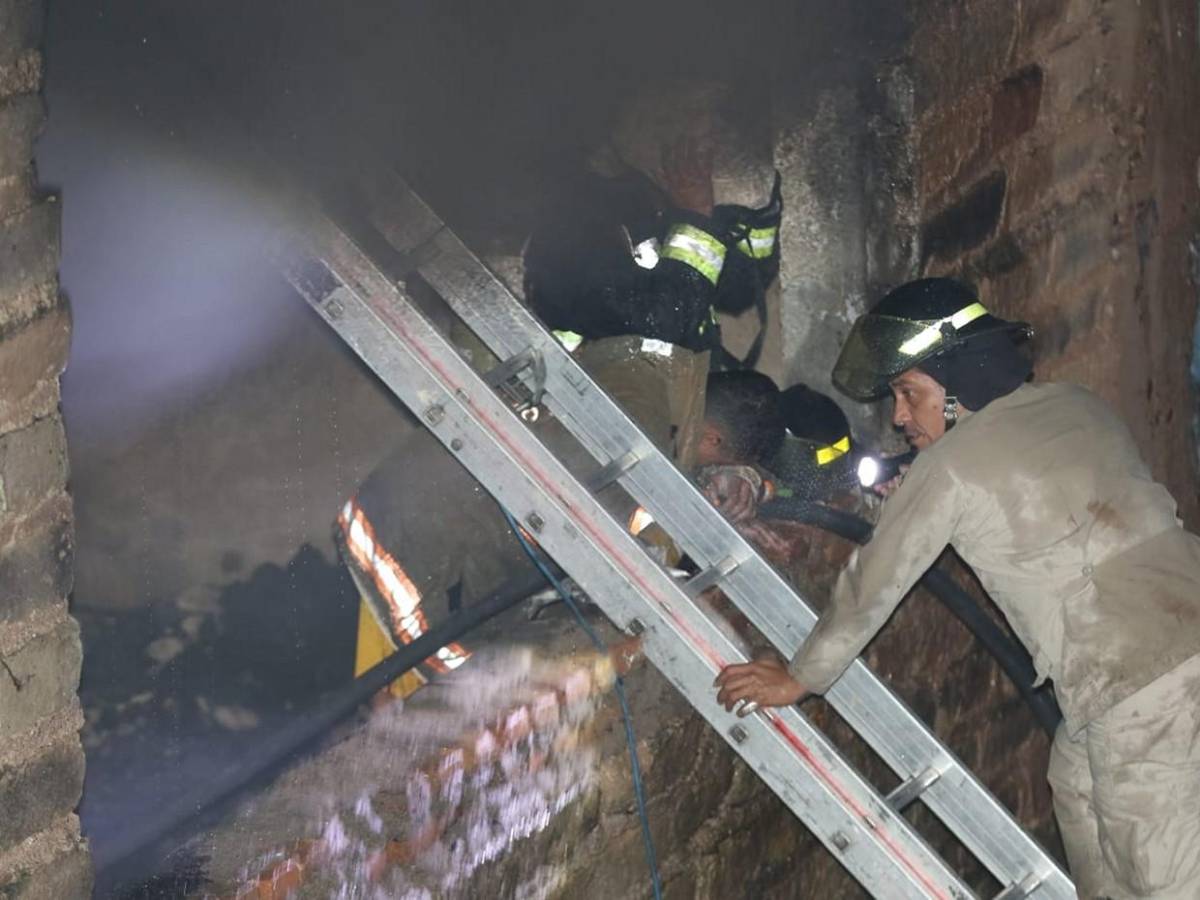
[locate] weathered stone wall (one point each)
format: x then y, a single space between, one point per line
841 138
41 760
1057 146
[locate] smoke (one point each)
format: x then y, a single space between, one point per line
480 105
162 232
162 261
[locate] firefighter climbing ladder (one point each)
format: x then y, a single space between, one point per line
357 279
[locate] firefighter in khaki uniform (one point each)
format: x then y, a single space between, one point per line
1041 490
628 276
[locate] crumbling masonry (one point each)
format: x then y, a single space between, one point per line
41 761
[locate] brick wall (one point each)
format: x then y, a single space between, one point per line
41 761
1054 150
1057 143
1055 166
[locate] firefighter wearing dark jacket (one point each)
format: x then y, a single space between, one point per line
621 268
618 255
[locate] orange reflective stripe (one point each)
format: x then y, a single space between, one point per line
640 521
397 589
529 537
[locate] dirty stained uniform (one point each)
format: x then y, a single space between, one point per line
421 537
1044 494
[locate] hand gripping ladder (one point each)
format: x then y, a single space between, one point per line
357 284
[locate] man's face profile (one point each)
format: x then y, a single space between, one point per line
920 408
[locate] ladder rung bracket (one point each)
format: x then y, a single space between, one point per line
710 577
911 788
506 370
614 469
1023 889
520 379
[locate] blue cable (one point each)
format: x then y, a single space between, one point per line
619 686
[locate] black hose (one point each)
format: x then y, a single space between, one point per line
136 854
839 522
1013 658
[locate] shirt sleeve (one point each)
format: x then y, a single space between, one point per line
916 524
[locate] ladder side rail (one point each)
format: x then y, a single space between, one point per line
850 818
987 828
957 797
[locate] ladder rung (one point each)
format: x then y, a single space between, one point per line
614 469
710 577
399 263
502 372
409 261
521 393
912 788
1024 888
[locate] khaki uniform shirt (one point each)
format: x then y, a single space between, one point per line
1045 496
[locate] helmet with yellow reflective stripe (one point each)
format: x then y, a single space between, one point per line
818 458
919 320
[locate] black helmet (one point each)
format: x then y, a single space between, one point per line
817 459
916 321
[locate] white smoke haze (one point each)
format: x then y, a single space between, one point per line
163 238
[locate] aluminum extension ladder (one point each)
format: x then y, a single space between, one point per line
355 277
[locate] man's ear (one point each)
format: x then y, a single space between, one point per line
711 436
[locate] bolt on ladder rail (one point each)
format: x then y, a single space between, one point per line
355 274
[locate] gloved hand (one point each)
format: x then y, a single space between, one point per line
733 223
735 490
889 487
